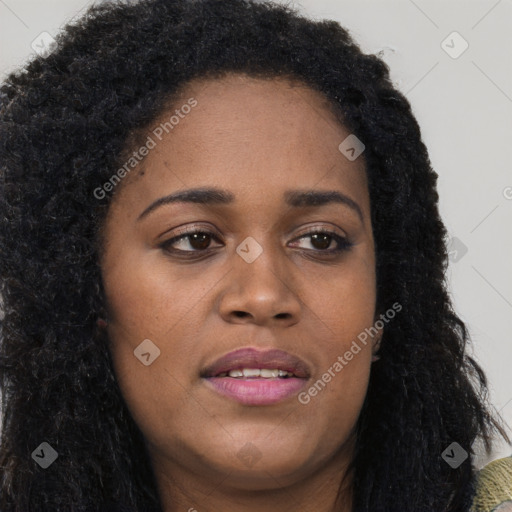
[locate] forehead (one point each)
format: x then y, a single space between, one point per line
257 136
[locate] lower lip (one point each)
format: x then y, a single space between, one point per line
257 391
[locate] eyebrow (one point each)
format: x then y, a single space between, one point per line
217 196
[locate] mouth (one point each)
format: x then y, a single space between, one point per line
253 377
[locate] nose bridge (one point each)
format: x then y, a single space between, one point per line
260 285
261 245
260 264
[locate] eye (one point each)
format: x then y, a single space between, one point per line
325 241
199 241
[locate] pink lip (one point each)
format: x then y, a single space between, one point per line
257 391
252 358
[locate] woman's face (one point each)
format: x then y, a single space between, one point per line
254 277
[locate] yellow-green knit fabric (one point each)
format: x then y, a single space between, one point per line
494 487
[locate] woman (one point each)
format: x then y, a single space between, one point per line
223 275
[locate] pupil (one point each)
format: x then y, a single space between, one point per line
196 237
317 236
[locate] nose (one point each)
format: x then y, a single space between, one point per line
261 292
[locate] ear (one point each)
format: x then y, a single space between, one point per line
376 344
101 323
377 340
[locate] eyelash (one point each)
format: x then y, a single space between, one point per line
343 243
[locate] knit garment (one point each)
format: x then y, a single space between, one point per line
494 487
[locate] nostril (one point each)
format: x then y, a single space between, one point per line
240 314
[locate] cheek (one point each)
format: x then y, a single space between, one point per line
143 297
346 300
138 326
346 310
148 302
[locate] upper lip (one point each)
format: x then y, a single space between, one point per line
252 358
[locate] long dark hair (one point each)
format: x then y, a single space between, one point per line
66 118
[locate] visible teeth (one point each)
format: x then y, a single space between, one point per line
255 372
269 373
249 372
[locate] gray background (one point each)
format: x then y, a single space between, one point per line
463 103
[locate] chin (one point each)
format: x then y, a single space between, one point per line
264 477
255 469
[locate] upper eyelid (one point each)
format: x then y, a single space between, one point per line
303 232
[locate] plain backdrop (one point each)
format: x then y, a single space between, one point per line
452 60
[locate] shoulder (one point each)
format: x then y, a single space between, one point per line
494 487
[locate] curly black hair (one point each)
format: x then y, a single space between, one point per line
65 120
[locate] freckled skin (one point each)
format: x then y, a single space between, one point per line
255 138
